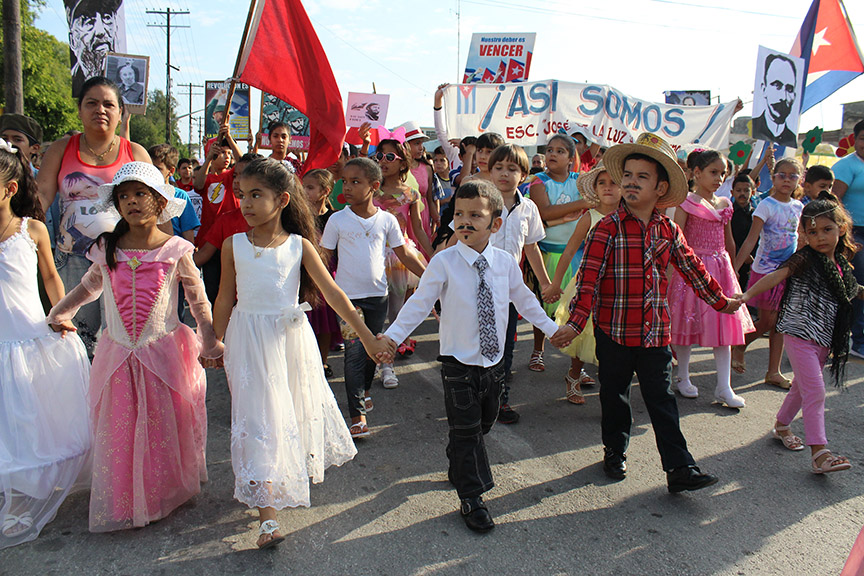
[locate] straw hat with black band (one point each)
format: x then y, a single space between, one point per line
658 149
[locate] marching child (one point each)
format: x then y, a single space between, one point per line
147 388
486 144
317 184
637 243
520 230
601 192
705 219
817 179
362 234
815 320
45 429
775 226
406 204
465 278
285 424
557 198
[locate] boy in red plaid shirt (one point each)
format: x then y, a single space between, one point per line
622 279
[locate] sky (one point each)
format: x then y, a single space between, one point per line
641 47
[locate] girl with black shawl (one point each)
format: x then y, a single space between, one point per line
815 320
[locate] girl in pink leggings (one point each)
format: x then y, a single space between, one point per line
815 320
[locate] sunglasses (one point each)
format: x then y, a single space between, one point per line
785 176
389 157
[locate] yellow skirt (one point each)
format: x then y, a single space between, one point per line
583 346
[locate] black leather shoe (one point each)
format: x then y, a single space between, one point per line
614 464
688 478
476 516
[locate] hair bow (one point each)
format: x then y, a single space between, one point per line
4 145
398 134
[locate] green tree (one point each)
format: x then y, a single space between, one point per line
149 130
47 82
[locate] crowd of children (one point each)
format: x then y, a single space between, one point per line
292 267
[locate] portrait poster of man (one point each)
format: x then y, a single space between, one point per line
215 100
370 108
130 73
688 97
777 97
275 110
96 28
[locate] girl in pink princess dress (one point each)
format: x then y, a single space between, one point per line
705 219
146 385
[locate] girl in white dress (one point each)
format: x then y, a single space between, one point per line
285 424
44 423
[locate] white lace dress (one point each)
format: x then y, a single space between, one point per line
44 418
285 424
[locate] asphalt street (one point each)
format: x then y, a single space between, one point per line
392 511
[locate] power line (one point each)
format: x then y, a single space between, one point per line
167 26
190 93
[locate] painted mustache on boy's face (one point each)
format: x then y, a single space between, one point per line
471 228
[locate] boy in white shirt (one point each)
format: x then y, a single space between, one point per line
362 233
521 229
475 282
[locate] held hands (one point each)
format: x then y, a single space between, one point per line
563 336
63 327
732 304
212 362
551 293
382 350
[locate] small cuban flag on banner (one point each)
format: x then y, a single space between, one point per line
827 44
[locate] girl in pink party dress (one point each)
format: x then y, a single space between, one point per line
146 386
396 197
705 219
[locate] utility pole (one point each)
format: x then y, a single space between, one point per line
13 80
167 13
189 87
199 121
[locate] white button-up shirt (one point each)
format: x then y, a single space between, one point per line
521 225
452 278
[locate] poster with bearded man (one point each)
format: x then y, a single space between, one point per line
96 27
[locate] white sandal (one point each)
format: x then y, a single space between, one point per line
23 523
269 527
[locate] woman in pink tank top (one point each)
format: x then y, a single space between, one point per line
71 171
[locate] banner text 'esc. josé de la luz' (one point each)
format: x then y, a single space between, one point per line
529 113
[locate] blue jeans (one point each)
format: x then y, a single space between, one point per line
858 305
359 368
509 347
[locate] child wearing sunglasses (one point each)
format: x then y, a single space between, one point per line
404 202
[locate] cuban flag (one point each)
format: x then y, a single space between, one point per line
827 44
515 71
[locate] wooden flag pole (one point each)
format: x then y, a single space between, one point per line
252 6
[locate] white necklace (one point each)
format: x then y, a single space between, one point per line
260 251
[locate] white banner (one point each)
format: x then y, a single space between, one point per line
529 113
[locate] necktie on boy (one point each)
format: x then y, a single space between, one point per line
486 312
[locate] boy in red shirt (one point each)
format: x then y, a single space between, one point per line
624 263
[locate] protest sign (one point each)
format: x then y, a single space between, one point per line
777 97
370 108
529 113
275 110
497 58
215 95
688 97
130 73
96 28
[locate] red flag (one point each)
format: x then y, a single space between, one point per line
284 57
